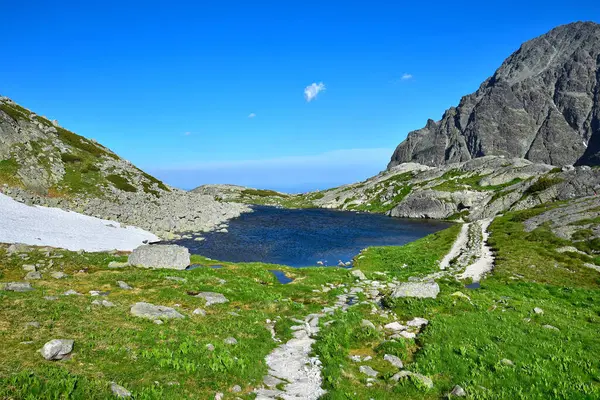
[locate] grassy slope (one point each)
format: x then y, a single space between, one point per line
467 338
463 344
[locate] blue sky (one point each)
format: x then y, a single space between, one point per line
215 93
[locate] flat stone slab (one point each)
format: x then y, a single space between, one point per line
212 298
150 311
17 287
57 349
169 256
417 289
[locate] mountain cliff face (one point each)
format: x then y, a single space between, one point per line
542 104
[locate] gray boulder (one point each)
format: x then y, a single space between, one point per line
150 311
17 287
168 256
417 289
212 298
33 275
57 349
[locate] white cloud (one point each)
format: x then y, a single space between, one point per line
312 90
251 115
406 77
187 133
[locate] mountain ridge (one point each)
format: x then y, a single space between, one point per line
542 104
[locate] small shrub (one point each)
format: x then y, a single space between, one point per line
542 184
121 183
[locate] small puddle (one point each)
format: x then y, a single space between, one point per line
194 266
474 285
281 276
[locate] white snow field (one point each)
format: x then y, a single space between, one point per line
44 226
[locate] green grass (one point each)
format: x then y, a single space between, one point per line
85 145
110 344
466 338
15 111
120 182
8 172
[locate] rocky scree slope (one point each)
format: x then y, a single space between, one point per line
542 104
43 163
472 190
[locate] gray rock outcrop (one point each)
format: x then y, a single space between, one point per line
160 256
542 104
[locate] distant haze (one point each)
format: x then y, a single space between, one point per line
286 174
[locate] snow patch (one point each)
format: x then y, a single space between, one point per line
45 226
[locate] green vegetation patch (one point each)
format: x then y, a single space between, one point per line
15 111
262 193
83 144
543 183
120 182
8 172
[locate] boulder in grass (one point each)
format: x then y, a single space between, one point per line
150 311
57 349
417 289
17 286
169 256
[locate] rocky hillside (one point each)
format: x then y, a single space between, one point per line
44 163
542 104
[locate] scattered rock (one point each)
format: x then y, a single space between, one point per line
57 349
236 389
50 298
418 322
425 380
365 323
210 347
458 391
119 390
104 303
417 289
212 298
230 340
199 311
29 267
219 396
160 256
32 324
365 369
117 264
158 322
395 326
357 273
538 311
33 275
150 311
58 275
395 361
17 287
507 362
551 327
72 292
123 285
407 335
95 293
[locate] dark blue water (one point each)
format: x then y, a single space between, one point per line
301 238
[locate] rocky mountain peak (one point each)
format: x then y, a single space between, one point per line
542 104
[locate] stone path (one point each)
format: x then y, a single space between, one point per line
290 365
